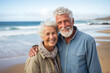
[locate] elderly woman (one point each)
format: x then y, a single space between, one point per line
47 59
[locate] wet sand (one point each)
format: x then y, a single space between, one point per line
14 69
104 52
13 65
104 56
104 31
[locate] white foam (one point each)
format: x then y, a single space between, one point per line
84 26
19 27
27 27
107 40
15 33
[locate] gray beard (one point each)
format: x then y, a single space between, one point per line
66 34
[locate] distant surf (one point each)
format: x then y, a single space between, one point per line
19 27
16 38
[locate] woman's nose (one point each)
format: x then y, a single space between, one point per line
51 35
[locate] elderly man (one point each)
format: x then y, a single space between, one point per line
78 53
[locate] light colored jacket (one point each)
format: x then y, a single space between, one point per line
40 64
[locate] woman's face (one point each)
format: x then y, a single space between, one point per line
49 36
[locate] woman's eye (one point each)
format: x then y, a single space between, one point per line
53 32
47 34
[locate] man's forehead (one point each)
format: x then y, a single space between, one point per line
62 15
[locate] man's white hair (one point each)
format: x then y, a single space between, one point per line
45 23
62 10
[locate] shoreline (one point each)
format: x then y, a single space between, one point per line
103 52
13 65
19 68
104 31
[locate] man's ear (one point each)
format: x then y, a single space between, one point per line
73 21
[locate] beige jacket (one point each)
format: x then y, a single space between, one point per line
40 64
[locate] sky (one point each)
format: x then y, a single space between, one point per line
38 10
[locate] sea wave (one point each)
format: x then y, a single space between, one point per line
19 27
20 30
15 33
26 30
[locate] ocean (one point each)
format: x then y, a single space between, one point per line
16 38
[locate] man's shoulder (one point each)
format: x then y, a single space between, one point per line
85 35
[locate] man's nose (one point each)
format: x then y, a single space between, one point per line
63 24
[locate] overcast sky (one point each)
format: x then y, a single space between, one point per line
37 10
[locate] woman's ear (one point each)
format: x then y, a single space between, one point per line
42 37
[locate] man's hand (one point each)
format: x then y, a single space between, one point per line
33 51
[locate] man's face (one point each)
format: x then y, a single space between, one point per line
65 25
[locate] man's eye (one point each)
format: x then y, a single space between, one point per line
66 21
59 23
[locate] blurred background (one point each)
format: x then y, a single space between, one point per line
19 20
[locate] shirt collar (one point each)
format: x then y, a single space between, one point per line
75 28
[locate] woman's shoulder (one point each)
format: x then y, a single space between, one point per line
35 58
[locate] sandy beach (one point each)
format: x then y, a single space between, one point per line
14 65
14 69
103 52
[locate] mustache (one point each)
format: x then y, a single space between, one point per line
64 28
